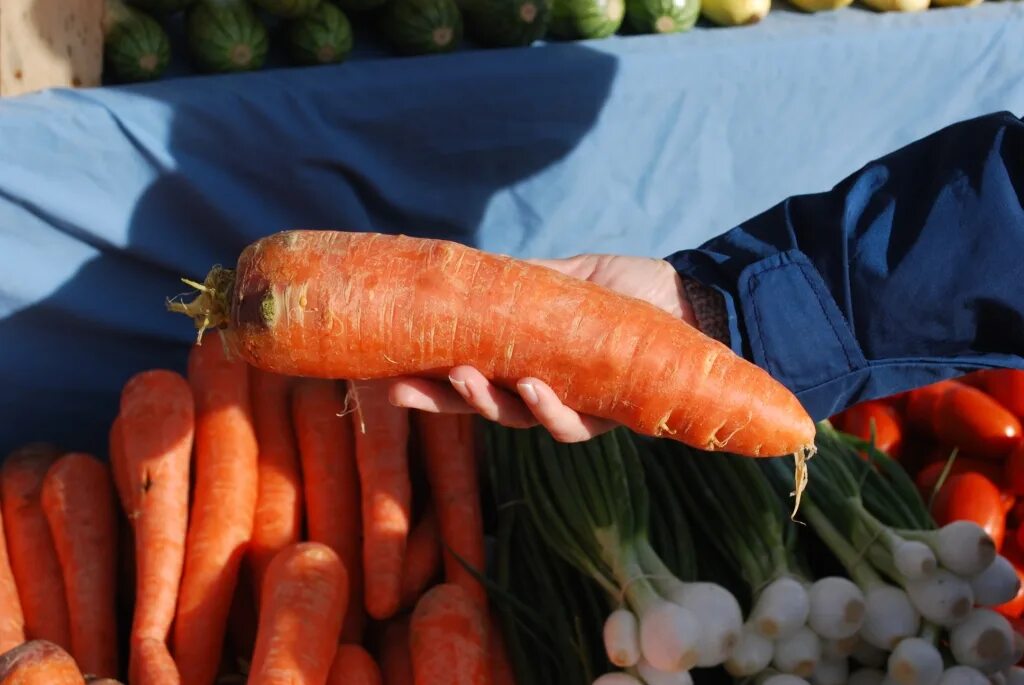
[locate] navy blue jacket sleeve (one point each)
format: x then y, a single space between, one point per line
909 271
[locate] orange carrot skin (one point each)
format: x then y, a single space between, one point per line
336 304
395 654
451 464
448 638
224 504
39 662
331 484
305 595
382 442
158 425
79 501
152 664
422 558
353 665
34 561
278 518
12 620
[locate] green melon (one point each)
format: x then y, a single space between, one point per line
584 19
323 37
135 45
289 9
662 16
226 36
422 27
506 23
161 6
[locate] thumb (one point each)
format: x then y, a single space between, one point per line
579 266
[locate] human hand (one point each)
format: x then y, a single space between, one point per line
469 391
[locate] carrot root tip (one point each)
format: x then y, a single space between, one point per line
800 476
211 307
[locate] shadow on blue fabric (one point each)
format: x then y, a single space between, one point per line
164 180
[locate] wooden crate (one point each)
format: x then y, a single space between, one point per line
50 44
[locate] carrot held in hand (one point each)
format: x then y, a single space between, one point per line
12 620
39 662
224 502
305 595
422 558
353 665
79 501
278 519
331 484
34 561
157 425
361 306
451 464
448 638
382 444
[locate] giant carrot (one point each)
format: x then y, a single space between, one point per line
278 519
422 558
305 595
39 662
450 458
224 502
331 484
448 639
362 305
12 620
157 425
395 657
382 443
353 665
79 501
34 562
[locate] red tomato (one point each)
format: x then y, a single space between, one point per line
888 428
929 475
1006 386
921 403
1014 609
1009 502
972 497
1013 471
971 420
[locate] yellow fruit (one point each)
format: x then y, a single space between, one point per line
735 12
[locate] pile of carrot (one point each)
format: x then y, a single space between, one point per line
249 527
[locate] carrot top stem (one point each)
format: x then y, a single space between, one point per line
211 308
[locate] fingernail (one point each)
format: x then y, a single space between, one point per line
460 387
529 393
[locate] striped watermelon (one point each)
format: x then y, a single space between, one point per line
323 37
581 19
226 36
506 23
135 45
422 27
662 16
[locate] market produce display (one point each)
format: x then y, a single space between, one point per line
236 35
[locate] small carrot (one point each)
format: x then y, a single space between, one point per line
12 620
39 662
502 672
395 657
334 304
152 663
448 638
223 506
305 595
382 441
331 484
353 665
79 501
278 519
157 426
450 457
34 561
422 558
